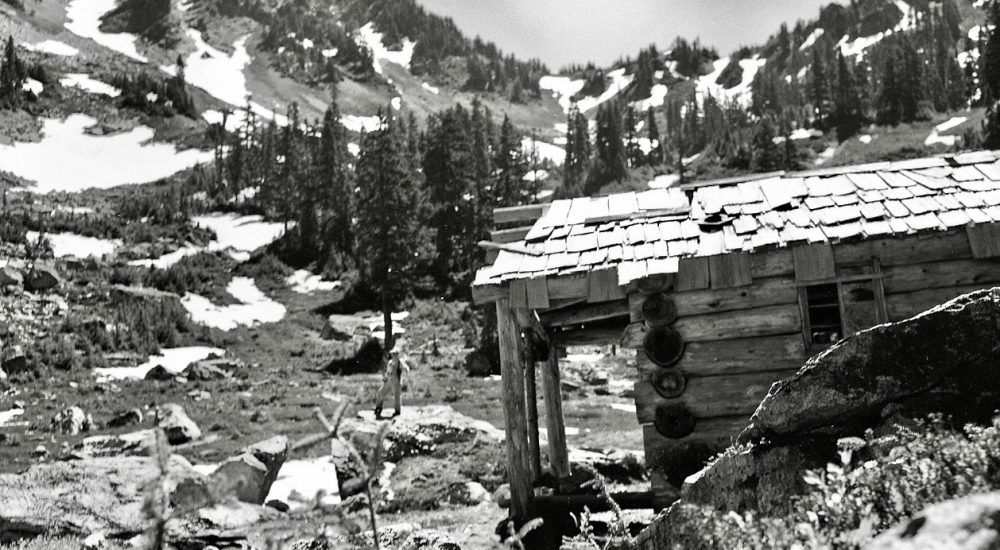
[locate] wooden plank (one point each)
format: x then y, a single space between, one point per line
951 245
906 305
730 270
585 313
591 336
528 213
537 291
519 294
772 263
945 274
747 323
763 292
513 235
711 396
602 286
515 422
693 274
984 240
813 262
524 321
567 286
554 421
737 356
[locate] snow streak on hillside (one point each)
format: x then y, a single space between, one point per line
858 46
52 47
373 40
78 246
708 85
84 19
86 83
254 307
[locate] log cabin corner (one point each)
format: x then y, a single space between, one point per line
723 287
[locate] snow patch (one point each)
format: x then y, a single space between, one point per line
254 307
377 325
826 155
94 161
547 151
175 360
360 124
935 136
397 103
812 38
858 46
218 73
301 482
865 139
663 181
84 19
619 81
536 175
563 89
656 98
951 123
33 86
71 244
432 89
238 235
7 416
330 52
52 47
373 40
304 282
805 133
84 82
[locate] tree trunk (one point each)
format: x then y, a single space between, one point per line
387 320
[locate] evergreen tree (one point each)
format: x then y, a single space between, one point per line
336 186
390 236
578 152
655 157
888 105
989 74
767 155
609 158
511 167
633 153
846 117
820 88
12 76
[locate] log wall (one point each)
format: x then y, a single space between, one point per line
738 340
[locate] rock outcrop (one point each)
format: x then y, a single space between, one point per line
42 278
176 424
969 523
249 475
72 421
943 360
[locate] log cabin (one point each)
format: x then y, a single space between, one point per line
723 288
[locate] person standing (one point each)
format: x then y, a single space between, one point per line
391 381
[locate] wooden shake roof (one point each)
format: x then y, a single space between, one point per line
645 233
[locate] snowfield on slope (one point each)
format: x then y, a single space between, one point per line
858 46
304 282
52 47
84 19
237 235
373 40
88 84
254 307
86 161
175 360
71 244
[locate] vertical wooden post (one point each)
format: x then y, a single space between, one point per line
512 381
554 423
530 394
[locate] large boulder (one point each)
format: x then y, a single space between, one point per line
176 424
14 360
249 476
969 523
943 360
344 328
140 443
72 421
41 278
81 497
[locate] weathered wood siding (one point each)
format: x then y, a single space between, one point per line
738 339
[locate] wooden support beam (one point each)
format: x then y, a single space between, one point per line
586 313
515 418
509 235
555 423
525 321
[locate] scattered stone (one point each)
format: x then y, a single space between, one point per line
199 395
141 443
42 278
159 373
469 493
40 452
205 370
14 360
176 424
72 421
126 418
95 541
10 276
968 523
429 540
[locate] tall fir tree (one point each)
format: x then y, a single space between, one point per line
610 162
389 237
633 153
655 157
846 117
12 76
511 167
336 188
989 74
820 88
578 151
767 155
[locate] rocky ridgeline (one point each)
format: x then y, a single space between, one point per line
941 361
